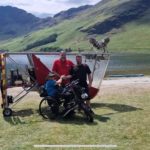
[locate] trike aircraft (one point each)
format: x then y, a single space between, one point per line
30 69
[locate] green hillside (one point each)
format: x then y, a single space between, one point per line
126 22
15 22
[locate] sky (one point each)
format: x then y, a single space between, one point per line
46 6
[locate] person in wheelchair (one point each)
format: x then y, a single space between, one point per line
55 92
51 85
52 93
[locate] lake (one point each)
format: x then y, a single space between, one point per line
118 64
129 64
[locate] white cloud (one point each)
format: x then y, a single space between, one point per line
46 6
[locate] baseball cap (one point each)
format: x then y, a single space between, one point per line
78 55
51 74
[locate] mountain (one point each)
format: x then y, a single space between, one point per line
70 13
14 22
63 15
67 14
126 22
128 12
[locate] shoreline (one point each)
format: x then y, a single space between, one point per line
125 85
126 80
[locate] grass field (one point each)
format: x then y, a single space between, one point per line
121 118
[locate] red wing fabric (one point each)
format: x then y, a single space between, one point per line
41 71
93 92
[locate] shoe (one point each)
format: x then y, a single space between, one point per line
91 111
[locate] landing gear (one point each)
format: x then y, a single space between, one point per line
7 112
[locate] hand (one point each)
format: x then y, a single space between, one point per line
63 77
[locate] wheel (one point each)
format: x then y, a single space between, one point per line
44 108
48 108
87 112
7 112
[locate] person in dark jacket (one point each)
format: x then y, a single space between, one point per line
82 72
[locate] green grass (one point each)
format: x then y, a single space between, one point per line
121 118
134 37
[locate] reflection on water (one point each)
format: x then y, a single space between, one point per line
129 63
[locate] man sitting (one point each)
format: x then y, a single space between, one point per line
51 85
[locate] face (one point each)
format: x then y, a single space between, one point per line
79 60
49 78
63 56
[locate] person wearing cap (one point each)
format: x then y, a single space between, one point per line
62 67
51 85
52 91
82 72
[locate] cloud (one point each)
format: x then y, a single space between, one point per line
79 2
46 6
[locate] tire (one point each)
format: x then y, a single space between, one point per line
48 109
89 115
44 108
7 112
